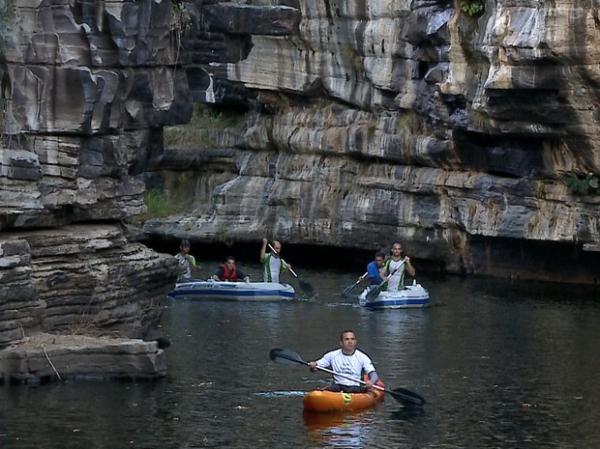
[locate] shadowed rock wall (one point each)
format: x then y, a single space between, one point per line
373 121
86 87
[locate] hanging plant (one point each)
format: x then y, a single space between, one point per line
183 22
582 185
472 7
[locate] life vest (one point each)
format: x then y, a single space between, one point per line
229 275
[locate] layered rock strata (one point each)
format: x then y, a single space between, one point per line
474 140
78 280
86 88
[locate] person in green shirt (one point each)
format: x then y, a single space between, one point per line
273 264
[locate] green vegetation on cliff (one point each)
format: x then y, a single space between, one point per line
472 7
198 133
158 204
582 185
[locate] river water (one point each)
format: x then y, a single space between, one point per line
501 366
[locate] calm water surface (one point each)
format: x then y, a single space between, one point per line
500 367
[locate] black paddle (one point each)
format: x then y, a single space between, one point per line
374 292
289 357
347 290
305 286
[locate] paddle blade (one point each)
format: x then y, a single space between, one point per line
406 397
286 357
306 287
374 293
347 290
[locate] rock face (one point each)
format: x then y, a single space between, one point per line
474 140
81 278
85 88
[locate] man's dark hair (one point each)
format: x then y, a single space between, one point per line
345 332
228 258
380 254
185 243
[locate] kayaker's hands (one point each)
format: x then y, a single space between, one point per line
368 384
312 366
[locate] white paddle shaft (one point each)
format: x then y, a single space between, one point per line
289 268
354 379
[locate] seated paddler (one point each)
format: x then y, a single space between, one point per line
350 362
229 272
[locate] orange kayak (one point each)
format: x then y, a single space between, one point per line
329 401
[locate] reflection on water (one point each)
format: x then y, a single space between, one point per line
344 430
500 365
275 394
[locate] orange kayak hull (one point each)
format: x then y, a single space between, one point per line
329 401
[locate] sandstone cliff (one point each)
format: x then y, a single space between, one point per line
86 87
467 130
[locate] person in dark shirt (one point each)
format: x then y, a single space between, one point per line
375 269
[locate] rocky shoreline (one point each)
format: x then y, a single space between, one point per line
50 357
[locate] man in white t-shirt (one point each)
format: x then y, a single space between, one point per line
397 264
348 361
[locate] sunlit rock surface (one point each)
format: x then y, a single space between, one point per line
384 120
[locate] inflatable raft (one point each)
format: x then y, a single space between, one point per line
411 296
232 291
329 401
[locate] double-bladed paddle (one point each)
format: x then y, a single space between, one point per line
289 357
305 286
374 292
347 290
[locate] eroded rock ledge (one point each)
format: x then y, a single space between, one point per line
80 279
46 357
